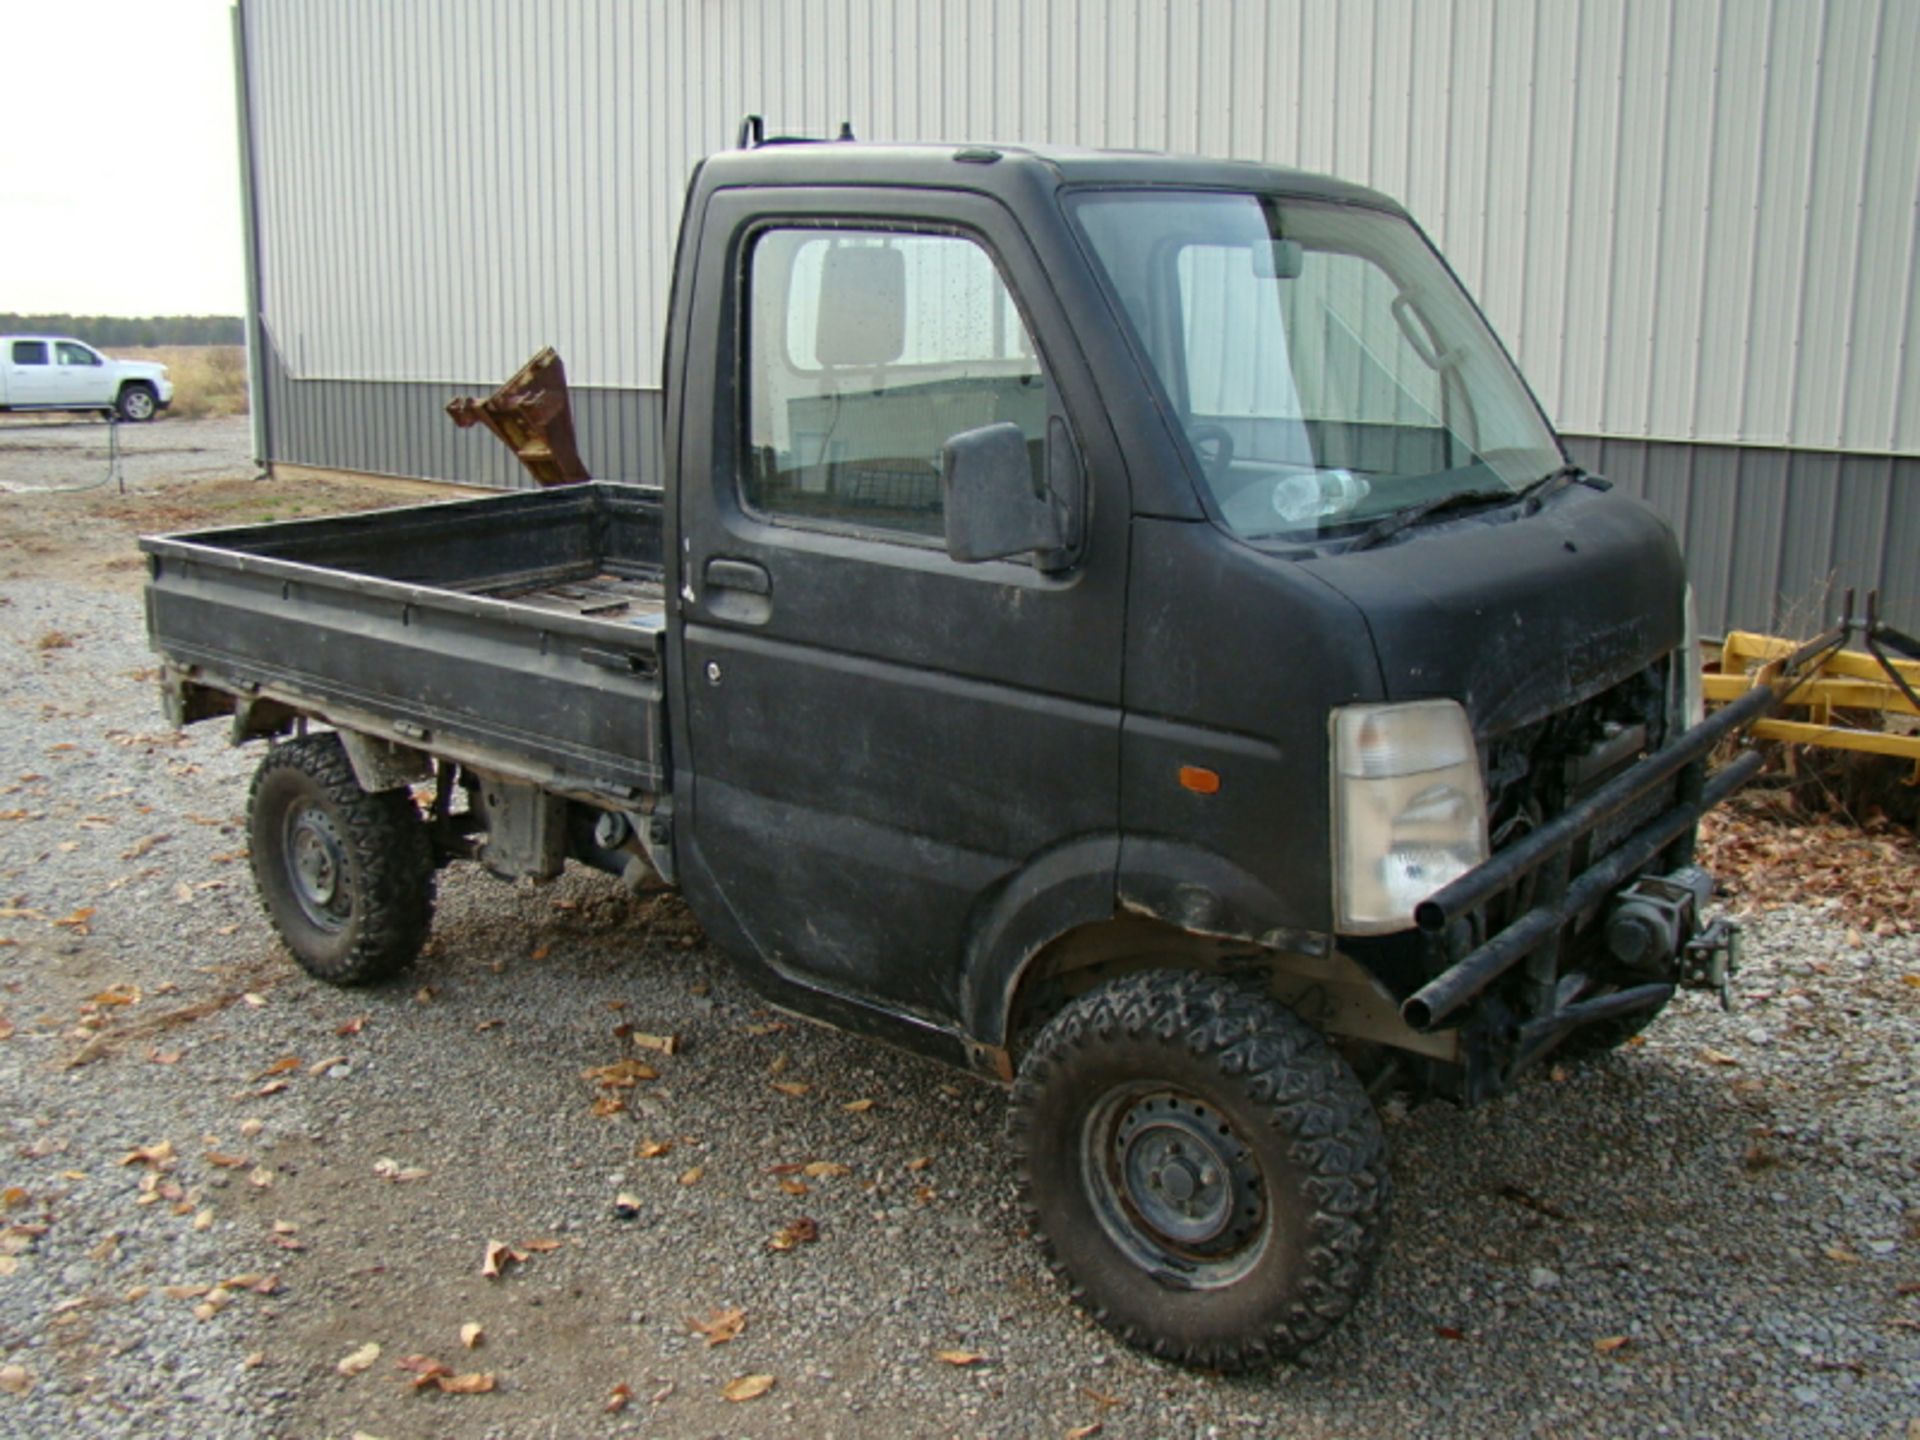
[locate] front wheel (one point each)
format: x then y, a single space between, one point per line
346 876
138 403
1207 1173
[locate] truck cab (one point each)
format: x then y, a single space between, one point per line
1119 623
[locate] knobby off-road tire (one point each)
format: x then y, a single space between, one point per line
1206 1172
346 877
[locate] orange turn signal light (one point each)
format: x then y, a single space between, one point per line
1199 779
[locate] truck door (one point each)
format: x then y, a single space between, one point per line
80 377
30 373
875 739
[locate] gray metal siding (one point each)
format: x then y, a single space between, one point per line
401 428
1692 219
1773 536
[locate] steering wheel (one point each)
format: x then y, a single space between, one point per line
1220 439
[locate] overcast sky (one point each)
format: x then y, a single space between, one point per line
119 178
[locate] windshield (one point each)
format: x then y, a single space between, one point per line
1323 363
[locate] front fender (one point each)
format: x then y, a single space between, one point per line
1102 878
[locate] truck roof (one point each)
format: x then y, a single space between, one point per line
996 167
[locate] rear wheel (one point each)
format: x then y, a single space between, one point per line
1207 1174
347 877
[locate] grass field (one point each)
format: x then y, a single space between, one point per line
208 380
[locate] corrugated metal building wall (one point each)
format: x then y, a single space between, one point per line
1694 220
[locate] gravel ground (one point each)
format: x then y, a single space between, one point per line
1707 1234
44 452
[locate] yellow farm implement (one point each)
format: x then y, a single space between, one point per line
1828 694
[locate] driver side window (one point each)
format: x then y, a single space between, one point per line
865 350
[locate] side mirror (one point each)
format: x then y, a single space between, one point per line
993 506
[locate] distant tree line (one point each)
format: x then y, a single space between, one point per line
107 331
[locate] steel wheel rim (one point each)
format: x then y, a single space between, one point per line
317 871
1174 1185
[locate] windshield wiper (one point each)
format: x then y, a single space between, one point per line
1388 526
1551 483
1535 493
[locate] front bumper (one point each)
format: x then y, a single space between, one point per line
1466 956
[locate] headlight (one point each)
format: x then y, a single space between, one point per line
1409 809
1690 704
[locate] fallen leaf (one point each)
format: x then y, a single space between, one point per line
772 1027
14 1380
155 1155
1449 1332
121 994
470 1334
959 1357
203 1220
1840 1255
621 1075
542 1247
793 1186
12 1198
272 1087
652 1149
662 1044
389 1169
1085 1432
498 1257
719 1327
1612 1343
225 1162
353 1026
857 1107
692 1176
165 1057
1717 1057
284 1065
77 921
921 1163
618 1398
360 1360
801 1232
320 1067
1855 940
260 1177
141 847
540 952
820 1169
747 1387
626 1206
606 1105
792 1087
476 1384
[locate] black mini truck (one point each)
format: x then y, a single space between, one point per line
1116 623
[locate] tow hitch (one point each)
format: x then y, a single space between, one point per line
1710 960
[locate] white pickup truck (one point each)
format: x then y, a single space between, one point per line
53 372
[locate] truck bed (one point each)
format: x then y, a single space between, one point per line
522 634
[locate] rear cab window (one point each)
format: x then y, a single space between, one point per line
29 352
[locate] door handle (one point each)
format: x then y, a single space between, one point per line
742 575
739 591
